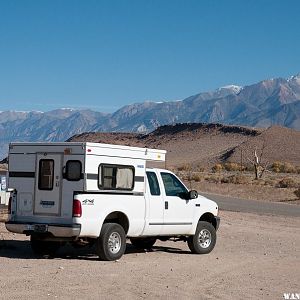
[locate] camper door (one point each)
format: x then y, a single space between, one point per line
48 184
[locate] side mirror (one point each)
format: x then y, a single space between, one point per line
193 194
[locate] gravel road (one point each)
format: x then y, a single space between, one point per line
256 257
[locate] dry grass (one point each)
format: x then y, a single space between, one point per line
284 167
272 187
252 192
287 183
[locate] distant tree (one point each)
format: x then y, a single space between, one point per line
256 157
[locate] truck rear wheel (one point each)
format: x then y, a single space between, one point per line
204 239
143 243
41 247
111 243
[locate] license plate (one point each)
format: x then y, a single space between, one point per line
40 228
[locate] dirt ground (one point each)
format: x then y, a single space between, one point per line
256 257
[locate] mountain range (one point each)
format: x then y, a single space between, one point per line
263 104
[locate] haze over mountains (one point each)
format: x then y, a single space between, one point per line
266 103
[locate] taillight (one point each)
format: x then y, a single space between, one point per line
77 210
9 205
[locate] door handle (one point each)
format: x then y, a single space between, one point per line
166 204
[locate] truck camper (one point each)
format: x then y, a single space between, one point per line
92 193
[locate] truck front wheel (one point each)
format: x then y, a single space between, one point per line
204 239
111 243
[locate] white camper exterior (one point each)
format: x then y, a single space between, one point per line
87 192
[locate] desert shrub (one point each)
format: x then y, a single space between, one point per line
276 166
297 193
289 168
286 183
217 168
283 167
196 177
198 168
230 166
185 167
213 179
235 179
225 180
184 177
269 181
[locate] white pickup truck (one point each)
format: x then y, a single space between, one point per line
88 193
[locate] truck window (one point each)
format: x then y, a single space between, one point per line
73 170
173 187
46 174
116 177
153 184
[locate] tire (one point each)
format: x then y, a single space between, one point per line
204 239
111 243
143 243
40 247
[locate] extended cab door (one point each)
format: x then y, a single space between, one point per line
178 210
155 205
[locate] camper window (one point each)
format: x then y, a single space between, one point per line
73 170
116 177
46 173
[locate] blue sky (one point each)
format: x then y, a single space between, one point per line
106 54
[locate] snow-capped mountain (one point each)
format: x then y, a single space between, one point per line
234 88
268 102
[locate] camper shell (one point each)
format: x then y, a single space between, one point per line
45 195
93 192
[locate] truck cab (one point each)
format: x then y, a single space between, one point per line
172 208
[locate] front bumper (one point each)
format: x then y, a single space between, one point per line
217 220
57 230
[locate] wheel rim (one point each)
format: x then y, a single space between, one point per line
204 238
114 242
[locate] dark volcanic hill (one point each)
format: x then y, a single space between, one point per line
206 144
197 144
277 144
